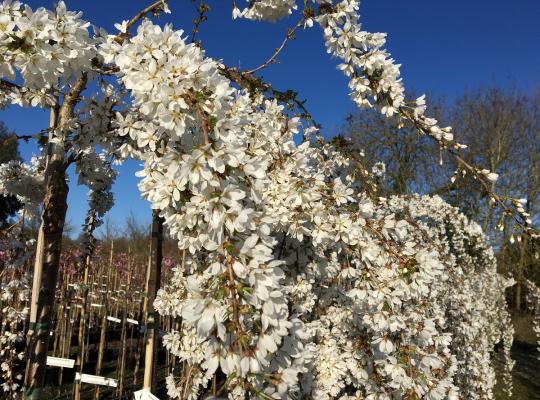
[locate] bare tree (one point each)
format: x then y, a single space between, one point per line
9 150
135 230
503 128
408 157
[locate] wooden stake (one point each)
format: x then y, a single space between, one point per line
142 311
79 362
154 278
103 329
101 351
123 339
46 265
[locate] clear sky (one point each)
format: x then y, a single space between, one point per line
443 46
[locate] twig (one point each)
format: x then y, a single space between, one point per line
272 59
202 116
141 14
202 10
37 135
475 172
7 85
253 84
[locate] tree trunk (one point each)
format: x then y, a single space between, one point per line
45 276
66 352
154 278
85 313
79 362
517 297
101 351
49 246
103 327
46 266
122 361
519 275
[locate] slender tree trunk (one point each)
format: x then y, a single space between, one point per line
142 313
517 297
49 247
103 328
154 278
46 267
79 362
519 276
168 355
45 275
65 323
122 366
101 351
56 332
72 318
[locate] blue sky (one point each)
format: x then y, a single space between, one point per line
444 47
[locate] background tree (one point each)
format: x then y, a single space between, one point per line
502 130
9 150
408 157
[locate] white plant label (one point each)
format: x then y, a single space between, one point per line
96 380
144 394
60 362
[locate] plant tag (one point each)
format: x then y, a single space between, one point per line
60 362
96 380
144 394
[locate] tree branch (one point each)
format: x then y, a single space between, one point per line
253 84
272 59
154 7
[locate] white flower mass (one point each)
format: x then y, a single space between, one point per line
296 283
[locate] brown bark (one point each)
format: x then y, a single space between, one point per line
52 225
122 361
48 249
103 328
517 297
46 268
79 362
519 276
101 351
67 341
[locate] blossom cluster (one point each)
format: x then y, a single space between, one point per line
374 76
295 282
476 313
533 301
49 51
15 252
25 181
266 10
47 48
204 148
